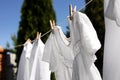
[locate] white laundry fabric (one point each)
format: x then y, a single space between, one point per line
111 62
112 11
23 69
39 69
85 44
59 54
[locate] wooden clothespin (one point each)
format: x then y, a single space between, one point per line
74 10
38 36
52 25
71 11
28 40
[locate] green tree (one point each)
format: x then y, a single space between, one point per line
35 16
96 14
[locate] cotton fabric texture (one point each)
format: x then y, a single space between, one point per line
58 53
23 69
112 11
85 44
39 70
111 63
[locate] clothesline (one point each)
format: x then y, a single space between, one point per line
34 40
85 5
50 29
78 10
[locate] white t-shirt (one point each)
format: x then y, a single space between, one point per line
85 44
23 69
39 70
111 63
59 54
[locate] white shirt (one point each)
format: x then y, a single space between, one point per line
39 70
85 44
59 54
111 63
23 69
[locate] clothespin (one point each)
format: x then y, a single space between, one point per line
52 25
71 11
28 40
38 36
74 10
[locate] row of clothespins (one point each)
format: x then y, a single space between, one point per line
52 24
71 12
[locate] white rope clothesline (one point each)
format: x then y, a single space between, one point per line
34 40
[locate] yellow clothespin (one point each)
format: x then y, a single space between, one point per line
52 25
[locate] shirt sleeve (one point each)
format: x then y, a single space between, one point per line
89 37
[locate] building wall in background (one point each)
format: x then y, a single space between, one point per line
3 66
7 65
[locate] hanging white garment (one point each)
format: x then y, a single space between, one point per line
111 62
85 44
112 10
39 69
59 54
23 69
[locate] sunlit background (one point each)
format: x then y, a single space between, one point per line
10 16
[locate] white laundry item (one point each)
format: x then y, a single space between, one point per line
59 54
39 69
85 44
112 11
23 69
111 60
